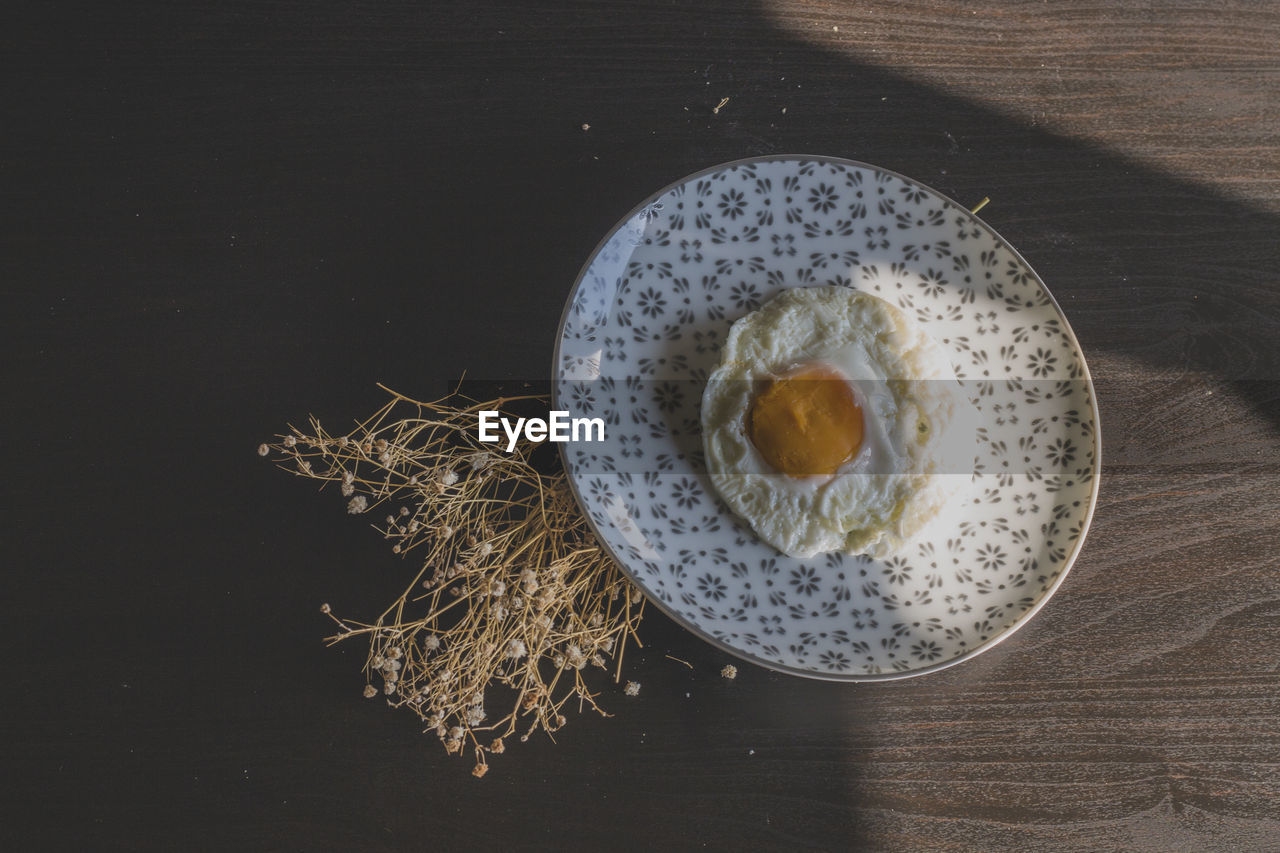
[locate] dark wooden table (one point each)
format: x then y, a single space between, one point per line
220 216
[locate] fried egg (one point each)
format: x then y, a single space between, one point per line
829 422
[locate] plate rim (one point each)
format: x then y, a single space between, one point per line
679 619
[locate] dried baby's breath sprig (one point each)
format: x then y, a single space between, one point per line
511 596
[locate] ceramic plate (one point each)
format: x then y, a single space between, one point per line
642 330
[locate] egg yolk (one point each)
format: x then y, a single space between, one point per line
806 422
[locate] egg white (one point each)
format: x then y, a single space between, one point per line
912 410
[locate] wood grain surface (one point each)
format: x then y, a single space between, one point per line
219 217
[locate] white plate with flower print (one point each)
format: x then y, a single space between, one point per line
642 330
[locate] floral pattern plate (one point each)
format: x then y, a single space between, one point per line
641 332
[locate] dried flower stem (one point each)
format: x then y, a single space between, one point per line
511 591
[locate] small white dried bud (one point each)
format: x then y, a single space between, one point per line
516 649
529 581
290 441
358 505
370 691
395 653
431 642
517 602
413 481
385 459
447 531
448 477
486 548
263 450
347 490
378 662
348 478
632 688
730 671
498 588
597 660
498 612
597 620
390 687
325 608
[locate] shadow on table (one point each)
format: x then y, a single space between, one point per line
346 198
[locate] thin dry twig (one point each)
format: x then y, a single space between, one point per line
512 601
